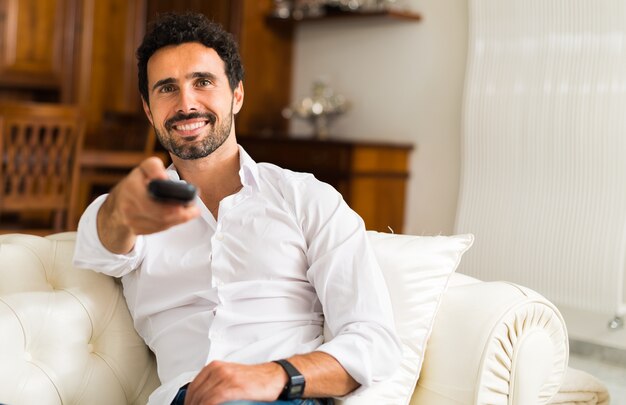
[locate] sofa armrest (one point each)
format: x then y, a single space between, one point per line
493 343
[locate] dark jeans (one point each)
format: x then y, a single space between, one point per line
180 400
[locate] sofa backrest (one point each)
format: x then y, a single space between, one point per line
67 336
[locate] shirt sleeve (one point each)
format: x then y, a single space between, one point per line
350 285
90 253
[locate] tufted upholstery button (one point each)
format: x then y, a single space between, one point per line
28 356
90 348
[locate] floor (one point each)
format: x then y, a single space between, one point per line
598 350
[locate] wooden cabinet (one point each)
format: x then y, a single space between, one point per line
371 176
37 47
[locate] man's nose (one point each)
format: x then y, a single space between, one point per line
187 101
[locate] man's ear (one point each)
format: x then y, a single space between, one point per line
238 98
146 109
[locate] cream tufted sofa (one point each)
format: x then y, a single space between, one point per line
66 337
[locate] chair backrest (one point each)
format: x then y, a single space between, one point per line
40 146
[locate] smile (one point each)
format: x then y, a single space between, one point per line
191 126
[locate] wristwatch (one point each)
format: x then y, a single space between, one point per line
295 384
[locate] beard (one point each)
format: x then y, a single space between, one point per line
190 150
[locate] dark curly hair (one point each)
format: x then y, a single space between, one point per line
179 28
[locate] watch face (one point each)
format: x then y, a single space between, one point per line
295 391
296 387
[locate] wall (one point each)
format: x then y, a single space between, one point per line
405 80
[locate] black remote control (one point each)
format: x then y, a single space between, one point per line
171 191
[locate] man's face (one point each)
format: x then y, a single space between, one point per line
191 103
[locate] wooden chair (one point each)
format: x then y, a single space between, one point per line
40 145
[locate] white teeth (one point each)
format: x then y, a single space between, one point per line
190 127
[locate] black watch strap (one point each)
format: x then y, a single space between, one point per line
295 383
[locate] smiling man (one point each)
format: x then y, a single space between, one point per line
232 291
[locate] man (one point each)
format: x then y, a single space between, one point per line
250 272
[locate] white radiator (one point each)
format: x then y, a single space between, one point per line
543 183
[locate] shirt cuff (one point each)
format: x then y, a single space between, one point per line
365 365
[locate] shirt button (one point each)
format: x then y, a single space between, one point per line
219 237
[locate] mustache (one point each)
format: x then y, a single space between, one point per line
170 122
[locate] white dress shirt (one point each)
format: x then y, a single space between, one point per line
285 255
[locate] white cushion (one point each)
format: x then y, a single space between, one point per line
417 270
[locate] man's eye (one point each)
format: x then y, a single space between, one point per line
167 89
204 82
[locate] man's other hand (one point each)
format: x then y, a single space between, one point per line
220 382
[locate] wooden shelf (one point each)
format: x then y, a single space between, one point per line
401 15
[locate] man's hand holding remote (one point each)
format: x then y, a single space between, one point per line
130 210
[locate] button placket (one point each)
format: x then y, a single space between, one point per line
217 238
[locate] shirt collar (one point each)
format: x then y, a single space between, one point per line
248 170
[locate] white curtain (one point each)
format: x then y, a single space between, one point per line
544 148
